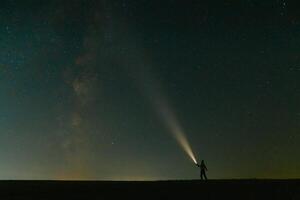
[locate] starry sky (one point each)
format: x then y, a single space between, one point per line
81 81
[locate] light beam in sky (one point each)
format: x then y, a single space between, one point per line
151 87
155 95
173 126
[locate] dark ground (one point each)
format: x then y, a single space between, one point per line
212 189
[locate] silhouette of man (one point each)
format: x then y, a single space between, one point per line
202 170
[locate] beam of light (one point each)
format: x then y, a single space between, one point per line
150 86
174 127
182 141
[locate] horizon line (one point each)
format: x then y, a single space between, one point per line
154 180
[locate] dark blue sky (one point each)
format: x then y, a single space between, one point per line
79 81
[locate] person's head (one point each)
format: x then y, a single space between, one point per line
202 162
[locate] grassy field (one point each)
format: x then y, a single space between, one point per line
212 189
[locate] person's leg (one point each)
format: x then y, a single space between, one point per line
205 176
201 175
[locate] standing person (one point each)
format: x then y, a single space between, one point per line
202 170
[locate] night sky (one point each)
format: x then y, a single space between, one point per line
83 84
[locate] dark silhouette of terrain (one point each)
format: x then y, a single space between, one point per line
211 189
